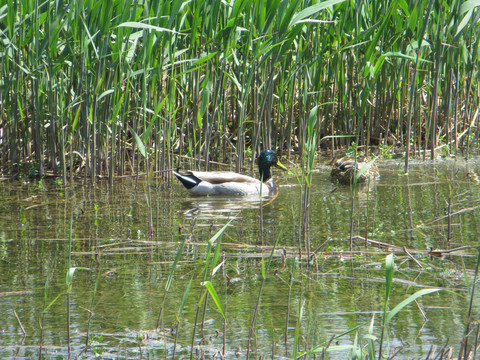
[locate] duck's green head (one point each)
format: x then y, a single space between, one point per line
266 159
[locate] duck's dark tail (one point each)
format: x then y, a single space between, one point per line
188 180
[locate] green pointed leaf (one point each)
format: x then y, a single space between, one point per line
204 58
138 25
184 299
214 296
364 168
140 145
52 302
311 10
219 233
389 269
407 301
75 121
264 275
70 274
174 266
105 93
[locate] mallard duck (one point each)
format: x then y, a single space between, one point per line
344 170
231 183
472 176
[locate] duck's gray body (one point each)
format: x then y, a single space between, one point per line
224 183
231 183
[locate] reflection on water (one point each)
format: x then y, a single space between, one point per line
219 207
116 300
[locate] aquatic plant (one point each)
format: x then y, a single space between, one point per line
370 350
90 88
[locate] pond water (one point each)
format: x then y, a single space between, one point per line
119 302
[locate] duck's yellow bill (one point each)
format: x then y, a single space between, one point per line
281 166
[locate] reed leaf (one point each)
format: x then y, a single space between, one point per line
137 25
214 296
364 168
184 299
219 233
389 270
169 281
69 277
139 142
407 301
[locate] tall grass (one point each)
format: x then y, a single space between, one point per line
220 80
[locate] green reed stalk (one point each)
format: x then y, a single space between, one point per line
413 80
389 269
69 280
42 317
311 141
265 268
37 103
287 317
171 274
296 343
179 317
91 313
470 307
389 315
208 287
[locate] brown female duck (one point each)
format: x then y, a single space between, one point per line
346 168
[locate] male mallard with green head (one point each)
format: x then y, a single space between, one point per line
231 183
344 170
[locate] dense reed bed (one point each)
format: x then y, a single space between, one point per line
109 88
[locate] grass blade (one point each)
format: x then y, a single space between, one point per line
214 296
407 301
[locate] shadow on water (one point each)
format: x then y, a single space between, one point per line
124 286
